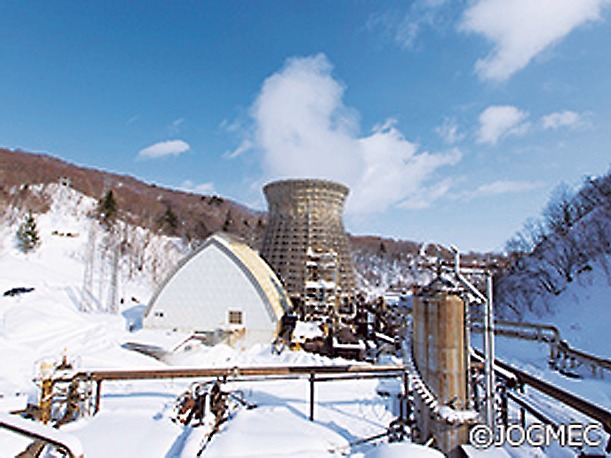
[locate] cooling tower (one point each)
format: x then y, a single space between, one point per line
304 227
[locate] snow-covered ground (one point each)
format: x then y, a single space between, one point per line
47 323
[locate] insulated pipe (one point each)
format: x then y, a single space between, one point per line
489 351
488 335
467 343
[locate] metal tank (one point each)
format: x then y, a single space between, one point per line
439 354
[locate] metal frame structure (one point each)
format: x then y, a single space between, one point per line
312 373
487 300
511 387
305 216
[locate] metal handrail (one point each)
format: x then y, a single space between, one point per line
581 405
68 443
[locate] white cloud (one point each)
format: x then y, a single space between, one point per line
162 149
500 187
230 126
500 121
425 196
449 132
176 126
562 119
404 29
522 29
245 146
394 174
198 188
304 130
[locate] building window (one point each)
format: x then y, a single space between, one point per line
235 317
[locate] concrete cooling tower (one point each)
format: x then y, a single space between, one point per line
306 245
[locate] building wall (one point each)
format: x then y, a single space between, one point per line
209 289
303 214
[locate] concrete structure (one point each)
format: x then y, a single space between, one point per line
305 242
224 292
439 355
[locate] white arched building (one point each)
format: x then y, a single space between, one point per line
224 292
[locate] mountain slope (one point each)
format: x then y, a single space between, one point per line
573 238
140 204
381 263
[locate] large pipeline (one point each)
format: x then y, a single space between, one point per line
559 349
149 374
354 371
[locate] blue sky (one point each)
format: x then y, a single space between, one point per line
451 121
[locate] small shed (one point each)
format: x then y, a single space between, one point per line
222 292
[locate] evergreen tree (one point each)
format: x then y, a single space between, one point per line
107 208
27 234
169 220
382 249
228 221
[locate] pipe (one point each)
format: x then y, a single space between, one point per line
312 396
489 349
488 335
58 439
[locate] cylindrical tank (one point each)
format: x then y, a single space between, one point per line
439 354
305 217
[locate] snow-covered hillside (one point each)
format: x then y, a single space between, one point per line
46 321
582 312
570 243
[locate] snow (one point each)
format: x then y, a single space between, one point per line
401 450
37 429
134 420
532 357
581 313
307 330
457 416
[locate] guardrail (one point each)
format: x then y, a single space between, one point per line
581 405
312 373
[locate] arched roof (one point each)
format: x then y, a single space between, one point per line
224 273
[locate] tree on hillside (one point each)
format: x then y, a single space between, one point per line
169 220
572 236
382 249
561 212
525 240
27 234
107 209
228 221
